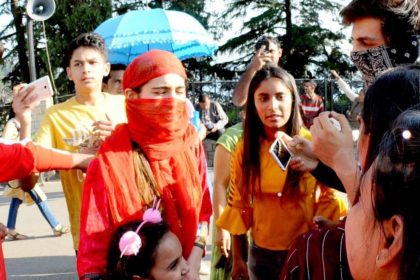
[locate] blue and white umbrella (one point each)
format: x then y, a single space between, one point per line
136 32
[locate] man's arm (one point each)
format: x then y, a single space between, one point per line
240 92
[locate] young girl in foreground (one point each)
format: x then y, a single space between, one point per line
383 226
276 205
146 250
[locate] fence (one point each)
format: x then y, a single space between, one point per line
221 91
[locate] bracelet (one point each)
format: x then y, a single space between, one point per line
199 245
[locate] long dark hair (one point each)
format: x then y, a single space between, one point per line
141 264
254 129
396 186
391 94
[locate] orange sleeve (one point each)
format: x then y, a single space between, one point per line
49 159
236 217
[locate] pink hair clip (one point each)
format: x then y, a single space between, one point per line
130 242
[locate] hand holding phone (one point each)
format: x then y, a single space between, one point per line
42 90
281 153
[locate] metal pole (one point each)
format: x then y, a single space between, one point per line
31 49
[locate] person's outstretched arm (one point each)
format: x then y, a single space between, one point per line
344 87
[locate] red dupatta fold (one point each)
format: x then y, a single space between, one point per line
162 130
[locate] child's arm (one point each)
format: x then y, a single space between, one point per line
50 159
22 107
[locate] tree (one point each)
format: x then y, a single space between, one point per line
297 24
71 18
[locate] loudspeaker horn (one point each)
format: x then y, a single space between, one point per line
40 10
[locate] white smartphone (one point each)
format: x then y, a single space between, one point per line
42 89
335 123
280 153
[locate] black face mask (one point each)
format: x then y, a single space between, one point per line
374 61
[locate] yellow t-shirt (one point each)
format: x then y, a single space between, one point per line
65 126
276 219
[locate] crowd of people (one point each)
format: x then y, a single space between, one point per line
328 212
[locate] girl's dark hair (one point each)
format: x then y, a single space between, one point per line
254 130
391 94
128 266
396 186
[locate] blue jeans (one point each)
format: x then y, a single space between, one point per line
42 205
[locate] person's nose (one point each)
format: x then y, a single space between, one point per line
86 68
185 269
274 103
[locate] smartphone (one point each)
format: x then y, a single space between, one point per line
267 47
280 153
42 89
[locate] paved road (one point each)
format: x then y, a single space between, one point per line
43 256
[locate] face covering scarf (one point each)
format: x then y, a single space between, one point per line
373 62
161 129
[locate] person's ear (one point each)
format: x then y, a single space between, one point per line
280 52
104 87
68 71
107 69
131 94
392 245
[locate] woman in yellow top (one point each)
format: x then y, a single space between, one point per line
276 205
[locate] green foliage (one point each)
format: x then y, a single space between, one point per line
297 24
71 18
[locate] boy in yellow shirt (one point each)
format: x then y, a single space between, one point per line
84 120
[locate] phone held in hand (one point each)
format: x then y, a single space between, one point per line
280 153
267 47
42 89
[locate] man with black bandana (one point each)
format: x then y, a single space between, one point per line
385 34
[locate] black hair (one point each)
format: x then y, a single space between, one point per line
396 181
11 113
392 93
114 67
266 40
311 81
254 130
400 18
126 267
88 40
202 98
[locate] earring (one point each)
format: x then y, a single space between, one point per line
377 258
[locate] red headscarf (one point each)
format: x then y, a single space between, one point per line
162 130
150 65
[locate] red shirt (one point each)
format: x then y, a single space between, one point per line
17 161
311 107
